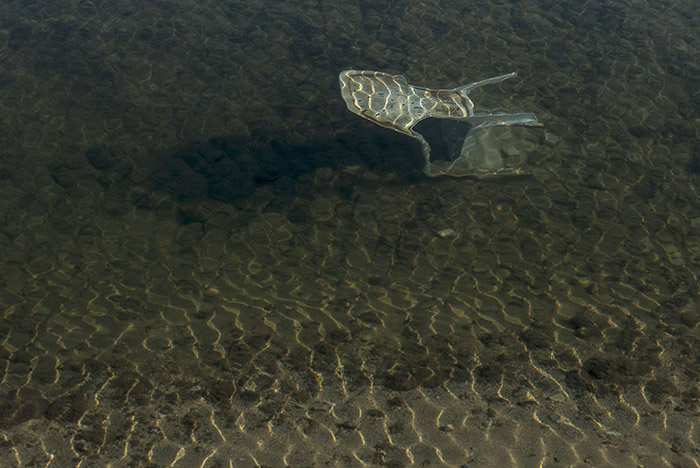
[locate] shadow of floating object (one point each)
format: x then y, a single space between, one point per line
693 165
230 169
224 169
469 145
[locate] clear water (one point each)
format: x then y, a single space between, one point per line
207 261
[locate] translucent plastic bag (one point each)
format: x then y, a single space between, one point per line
472 147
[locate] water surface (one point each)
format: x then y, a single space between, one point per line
209 262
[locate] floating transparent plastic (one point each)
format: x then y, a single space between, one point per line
472 147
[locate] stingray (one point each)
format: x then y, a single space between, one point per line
390 101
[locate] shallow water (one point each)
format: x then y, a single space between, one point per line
208 261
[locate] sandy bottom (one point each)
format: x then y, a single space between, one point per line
360 335
207 261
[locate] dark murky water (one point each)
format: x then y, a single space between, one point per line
208 261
